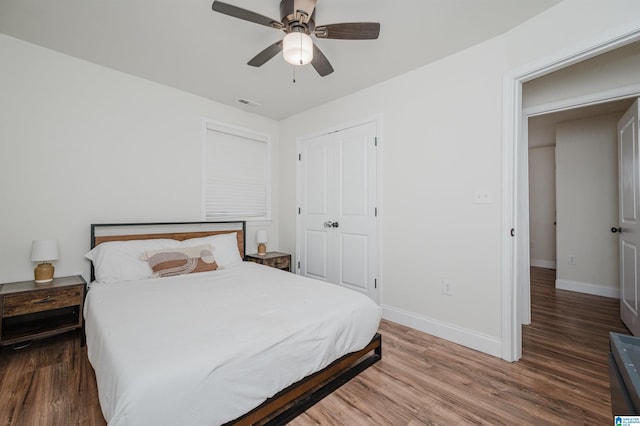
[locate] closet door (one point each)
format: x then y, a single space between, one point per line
338 208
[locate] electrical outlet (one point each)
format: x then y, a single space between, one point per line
572 259
447 287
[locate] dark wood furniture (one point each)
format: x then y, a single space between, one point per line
34 311
293 400
624 380
274 259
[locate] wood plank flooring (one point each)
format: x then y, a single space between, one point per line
421 380
560 380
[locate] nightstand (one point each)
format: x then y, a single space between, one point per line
34 311
272 258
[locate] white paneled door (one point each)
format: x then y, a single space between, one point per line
629 229
337 192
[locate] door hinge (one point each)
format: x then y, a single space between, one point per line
513 232
298 265
298 210
299 157
375 283
375 211
375 141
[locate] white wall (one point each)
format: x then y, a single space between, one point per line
442 130
587 205
612 70
82 144
542 206
431 228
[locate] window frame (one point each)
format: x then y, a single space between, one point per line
245 133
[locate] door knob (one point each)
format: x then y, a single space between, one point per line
614 230
328 224
335 224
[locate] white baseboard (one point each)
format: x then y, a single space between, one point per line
596 289
547 264
471 339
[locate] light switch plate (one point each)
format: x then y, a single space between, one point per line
482 196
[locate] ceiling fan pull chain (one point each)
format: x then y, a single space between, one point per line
301 63
294 73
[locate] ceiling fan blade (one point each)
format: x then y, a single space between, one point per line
244 14
268 53
349 31
320 62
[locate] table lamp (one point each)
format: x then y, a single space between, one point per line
261 239
44 251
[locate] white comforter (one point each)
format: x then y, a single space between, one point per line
205 348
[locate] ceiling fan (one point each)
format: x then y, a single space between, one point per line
298 22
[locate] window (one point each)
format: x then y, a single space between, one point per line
236 173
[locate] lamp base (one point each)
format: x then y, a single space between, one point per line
262 249
43 273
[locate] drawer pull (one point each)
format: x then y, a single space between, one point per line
46 300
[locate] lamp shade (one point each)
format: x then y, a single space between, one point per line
297 48
44 250
261 236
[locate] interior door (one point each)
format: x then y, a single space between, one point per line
338 211
629 230
314 212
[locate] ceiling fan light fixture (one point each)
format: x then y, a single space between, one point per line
297 48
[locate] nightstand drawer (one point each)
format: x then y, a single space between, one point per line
273 259
42 300
279 262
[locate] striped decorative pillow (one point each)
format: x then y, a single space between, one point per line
179 261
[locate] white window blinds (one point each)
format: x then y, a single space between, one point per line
236 174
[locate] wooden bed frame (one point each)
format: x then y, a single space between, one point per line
291 401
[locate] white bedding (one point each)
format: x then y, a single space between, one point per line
205 348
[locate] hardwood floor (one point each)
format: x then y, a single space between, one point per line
48 383
421 380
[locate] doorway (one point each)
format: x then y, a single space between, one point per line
573 197
515 271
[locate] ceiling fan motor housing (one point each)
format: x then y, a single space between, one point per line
298 15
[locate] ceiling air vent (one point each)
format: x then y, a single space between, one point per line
249 102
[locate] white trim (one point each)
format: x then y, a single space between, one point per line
232 129
377 119
462 336
547 264
588 288
631 91
514 264
596 45
512 93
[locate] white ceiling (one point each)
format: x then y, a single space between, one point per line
184 44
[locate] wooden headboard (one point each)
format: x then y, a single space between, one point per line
104 232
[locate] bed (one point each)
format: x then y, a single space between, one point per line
238 343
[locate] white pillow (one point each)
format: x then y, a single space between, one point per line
225 247
122 260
